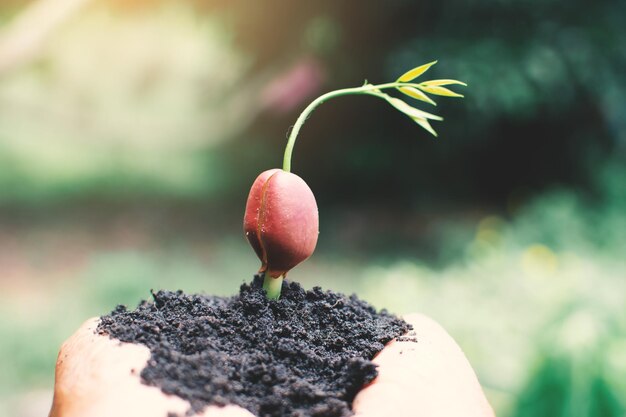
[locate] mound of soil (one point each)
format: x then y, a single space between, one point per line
306 354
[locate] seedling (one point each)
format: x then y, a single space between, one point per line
281 218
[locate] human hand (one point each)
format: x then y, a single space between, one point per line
429 377
99 377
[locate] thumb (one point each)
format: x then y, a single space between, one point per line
428 376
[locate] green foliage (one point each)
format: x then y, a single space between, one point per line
138 108
574 374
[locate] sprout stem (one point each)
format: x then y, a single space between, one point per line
272 286
370 89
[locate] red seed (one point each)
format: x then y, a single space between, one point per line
281 221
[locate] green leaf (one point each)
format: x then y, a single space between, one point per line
426 125
412 112
415 72
417 94
418 116
443 82
439 91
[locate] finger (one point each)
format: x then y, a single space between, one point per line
97 376
427 375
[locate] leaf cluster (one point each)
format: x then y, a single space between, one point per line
419 91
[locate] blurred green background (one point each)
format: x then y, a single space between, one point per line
130 132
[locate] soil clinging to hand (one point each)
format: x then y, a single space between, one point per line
306 354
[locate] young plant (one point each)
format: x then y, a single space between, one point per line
281 218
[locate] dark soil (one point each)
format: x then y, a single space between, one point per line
307 354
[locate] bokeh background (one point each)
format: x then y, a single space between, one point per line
131 130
